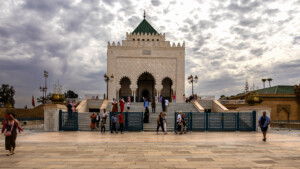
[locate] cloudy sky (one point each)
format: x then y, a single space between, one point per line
227 42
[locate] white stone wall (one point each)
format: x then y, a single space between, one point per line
133 58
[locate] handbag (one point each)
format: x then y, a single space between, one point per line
8 133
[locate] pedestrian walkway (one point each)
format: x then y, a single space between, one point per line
147 150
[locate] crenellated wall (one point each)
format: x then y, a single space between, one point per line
141 53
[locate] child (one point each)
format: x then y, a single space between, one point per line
102 123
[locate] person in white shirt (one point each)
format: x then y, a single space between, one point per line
179 123
128 106
105 114
166 104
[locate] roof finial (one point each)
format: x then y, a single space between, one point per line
144 14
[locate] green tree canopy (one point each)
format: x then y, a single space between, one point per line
71 94
7 95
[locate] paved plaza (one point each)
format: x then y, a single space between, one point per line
147 150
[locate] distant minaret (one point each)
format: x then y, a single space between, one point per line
144 14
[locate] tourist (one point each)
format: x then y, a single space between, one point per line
121 122
113 123
174 98
10 126
179 123
160 122
93 121
163 106
153 106
146 115
128 99
128 106
105 114
122 103
97 120
165 123
183 123
160 98
115 106
102 124
166 105
264 122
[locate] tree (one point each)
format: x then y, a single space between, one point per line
42 99
269 80
264 80
7 95
71 94
246 86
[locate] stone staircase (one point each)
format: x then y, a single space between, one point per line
84 122
84 118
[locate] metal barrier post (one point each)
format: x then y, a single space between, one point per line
190 122
60 120
254 120
222 121
238 121
206 123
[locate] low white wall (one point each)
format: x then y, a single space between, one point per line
218 107
83 106
51 116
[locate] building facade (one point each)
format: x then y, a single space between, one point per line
146 65
284 101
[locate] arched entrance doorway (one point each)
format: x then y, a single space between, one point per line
125 90
145 89
166 91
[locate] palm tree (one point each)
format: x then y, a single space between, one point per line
270 79
263 80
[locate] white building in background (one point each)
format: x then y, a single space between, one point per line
146 65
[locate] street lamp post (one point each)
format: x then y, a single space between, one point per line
107 79
192 79
44 88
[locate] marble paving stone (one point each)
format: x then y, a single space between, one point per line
148 150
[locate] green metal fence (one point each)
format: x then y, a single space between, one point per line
68 121
133 121
216 121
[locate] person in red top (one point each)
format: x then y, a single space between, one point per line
174 98
121 122
122 103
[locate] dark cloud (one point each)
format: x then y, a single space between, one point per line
296 40
46 8
244 33
244 7
249 22
257 51
155 2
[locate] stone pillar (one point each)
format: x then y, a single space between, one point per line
51 116
158 90
133 90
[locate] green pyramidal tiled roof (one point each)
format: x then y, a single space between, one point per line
144 27
277 90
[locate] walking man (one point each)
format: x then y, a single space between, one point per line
179 123
160 122
153 106
264 122
166 105
97 120
113 123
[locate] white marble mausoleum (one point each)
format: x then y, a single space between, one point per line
146 65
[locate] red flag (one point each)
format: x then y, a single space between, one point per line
33 104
